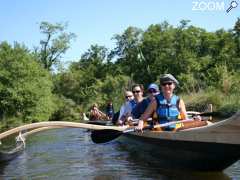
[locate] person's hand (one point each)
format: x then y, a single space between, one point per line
120 122
140 125
199 118
129 118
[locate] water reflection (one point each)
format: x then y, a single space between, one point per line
70 154
153 170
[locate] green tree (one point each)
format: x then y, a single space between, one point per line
25 87
55 44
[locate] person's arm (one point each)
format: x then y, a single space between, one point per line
127 111
92 112
102 115
182 109
121 112
97 113
149 111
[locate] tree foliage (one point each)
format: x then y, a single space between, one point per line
207 64
201 60
25 87
55 44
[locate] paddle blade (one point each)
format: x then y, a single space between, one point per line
105 135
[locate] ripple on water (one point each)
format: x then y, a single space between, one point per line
70 154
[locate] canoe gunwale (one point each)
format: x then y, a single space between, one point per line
225 132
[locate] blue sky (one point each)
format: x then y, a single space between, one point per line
96 21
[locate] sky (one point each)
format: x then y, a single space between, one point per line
97 21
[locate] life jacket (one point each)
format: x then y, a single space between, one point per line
167 110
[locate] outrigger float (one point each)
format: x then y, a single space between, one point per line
212 147
23 131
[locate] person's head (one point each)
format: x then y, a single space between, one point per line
109 103
168 83
128 95
137 90
153 90
94 105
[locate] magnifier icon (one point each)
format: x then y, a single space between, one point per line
233 4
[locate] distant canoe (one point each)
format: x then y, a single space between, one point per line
8 155
209 148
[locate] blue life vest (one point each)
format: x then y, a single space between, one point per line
167 110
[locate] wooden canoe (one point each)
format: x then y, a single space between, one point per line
209 148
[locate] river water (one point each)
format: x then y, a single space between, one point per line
70 154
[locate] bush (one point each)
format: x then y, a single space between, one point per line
25 87
67 110
225 105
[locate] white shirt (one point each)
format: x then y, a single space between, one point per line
125 109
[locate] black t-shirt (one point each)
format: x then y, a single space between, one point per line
110 111
140 108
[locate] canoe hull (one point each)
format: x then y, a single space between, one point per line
209 148
188 155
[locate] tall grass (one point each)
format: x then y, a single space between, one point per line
226 105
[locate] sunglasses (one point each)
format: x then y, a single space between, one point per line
128 97
167 83
136 92
152 91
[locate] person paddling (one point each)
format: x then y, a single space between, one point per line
167 105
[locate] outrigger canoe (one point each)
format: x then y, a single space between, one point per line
212 147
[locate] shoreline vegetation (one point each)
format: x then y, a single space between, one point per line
35 86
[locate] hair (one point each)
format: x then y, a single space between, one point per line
138 85
95 104
109 103
127 91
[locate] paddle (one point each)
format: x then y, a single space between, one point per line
106 135
205 113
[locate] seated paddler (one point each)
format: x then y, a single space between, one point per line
96 114
131 110
168 106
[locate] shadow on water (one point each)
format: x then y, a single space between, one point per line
2 167
154 170
9 150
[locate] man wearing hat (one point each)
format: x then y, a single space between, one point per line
167 105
